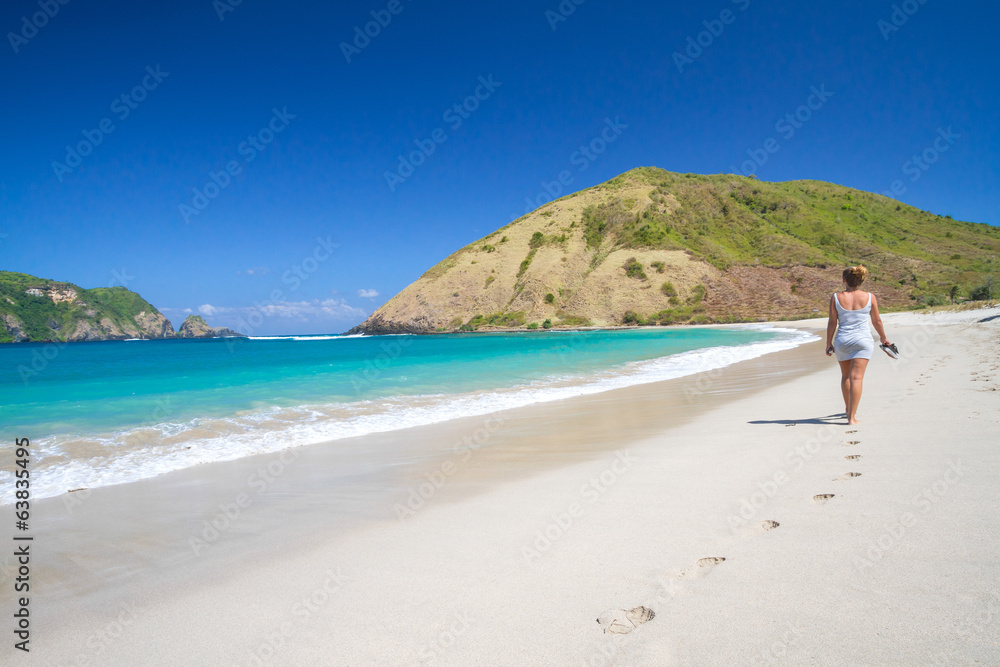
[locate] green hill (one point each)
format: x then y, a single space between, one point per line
40 310
652 246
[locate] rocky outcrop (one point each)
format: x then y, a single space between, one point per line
196 327
226 332
87 330
14 328
154 325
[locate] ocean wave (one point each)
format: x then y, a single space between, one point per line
317 337
69 462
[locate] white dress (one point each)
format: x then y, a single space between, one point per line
854 336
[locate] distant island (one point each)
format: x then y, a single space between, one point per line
656 247
40 310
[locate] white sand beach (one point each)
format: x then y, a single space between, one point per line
500 541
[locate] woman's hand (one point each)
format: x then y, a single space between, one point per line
885 341
829 350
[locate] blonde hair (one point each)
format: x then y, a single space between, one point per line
855 275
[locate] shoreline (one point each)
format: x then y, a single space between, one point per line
106 457
694 447
928 310
763 319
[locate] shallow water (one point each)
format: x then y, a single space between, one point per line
113 412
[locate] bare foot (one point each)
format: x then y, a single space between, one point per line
853 421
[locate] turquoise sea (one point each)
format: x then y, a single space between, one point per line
113 412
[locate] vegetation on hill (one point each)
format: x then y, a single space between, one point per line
195 326
728 220
730 248
40 310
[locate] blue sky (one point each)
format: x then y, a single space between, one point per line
299 229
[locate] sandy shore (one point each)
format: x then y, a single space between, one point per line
500 540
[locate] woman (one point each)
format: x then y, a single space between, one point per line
852 309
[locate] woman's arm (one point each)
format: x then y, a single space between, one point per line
877 321
831 327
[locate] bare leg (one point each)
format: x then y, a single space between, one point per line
845 384
858 367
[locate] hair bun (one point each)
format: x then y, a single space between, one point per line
855 275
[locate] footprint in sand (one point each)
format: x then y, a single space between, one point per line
851 443
849 432
624 621
754 530
701 568
822 498
853 457
847 475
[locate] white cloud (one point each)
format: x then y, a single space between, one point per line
367 293
329 314
306 310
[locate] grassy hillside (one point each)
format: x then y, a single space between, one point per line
727 220
655 246
38 309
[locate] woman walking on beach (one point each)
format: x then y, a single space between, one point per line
850 312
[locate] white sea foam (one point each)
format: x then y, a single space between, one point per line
139 453
323 337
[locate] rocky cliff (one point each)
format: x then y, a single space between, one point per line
196 327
